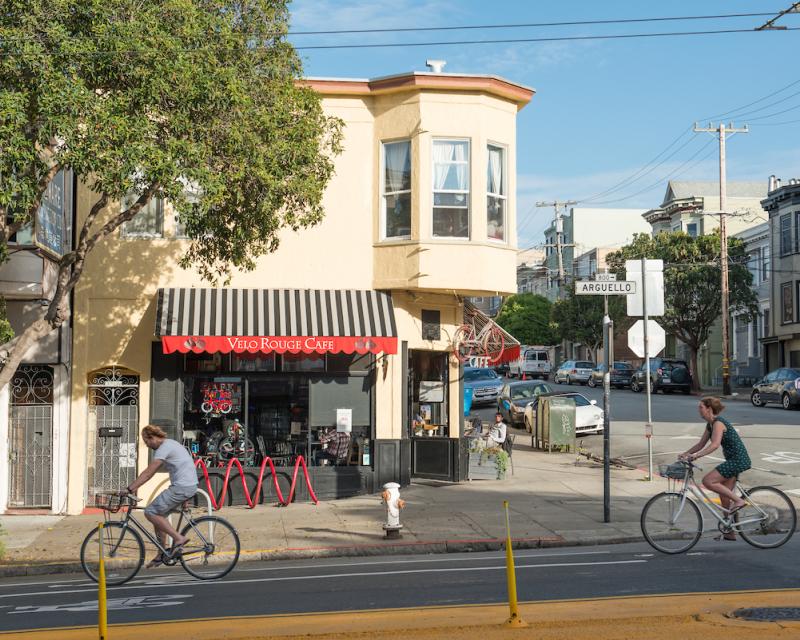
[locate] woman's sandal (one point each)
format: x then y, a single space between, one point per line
155 562
726 536
733 510
176 550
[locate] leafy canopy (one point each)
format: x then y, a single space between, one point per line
526 316
580 318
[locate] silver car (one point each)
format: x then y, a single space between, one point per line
574 371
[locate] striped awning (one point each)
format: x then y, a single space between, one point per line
275 320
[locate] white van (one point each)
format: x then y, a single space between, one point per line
534 362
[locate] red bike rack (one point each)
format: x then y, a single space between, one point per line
252 501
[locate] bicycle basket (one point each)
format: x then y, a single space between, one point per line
675 471
111 502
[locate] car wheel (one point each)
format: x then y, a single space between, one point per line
635 386
786 401
568 381
591 383
527 425
653 389
755 398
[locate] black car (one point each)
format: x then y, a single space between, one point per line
666 374
780 385
621 373
515 396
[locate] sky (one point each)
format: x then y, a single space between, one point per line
607 114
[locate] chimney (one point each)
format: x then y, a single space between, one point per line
436 66
772 184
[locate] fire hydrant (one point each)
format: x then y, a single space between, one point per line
393 501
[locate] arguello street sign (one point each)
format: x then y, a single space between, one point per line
599 288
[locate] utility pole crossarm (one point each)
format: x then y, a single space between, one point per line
770 24
558 224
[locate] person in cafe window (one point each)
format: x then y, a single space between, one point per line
338 444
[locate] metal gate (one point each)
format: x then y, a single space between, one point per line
31 437
113 422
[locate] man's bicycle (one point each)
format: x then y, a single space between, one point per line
672 523
211 551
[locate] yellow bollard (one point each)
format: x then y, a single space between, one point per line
514 621
102 614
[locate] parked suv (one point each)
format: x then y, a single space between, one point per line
666 374
781 386
574 371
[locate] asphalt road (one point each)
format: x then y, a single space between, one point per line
771 434
392 582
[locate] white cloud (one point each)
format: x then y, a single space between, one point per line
523 59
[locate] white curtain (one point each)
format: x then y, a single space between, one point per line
398 166
495 177
446 152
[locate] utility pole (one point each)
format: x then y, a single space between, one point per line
558 223
723 131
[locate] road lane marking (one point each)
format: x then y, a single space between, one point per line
425 561
115 604
781 457
359 574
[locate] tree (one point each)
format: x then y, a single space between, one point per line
692 283
526 316
196 101
580 318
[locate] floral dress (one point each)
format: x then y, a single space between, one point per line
736 458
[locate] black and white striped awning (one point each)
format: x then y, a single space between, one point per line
190 319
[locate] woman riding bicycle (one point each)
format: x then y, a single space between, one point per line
722 479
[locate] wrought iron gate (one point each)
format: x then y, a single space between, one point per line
31 437
113 421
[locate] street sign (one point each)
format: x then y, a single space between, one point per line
600 288
605 277
655 287
656 338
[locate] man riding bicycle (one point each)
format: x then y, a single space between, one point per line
722 479
183 487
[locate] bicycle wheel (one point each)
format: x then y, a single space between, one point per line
494 343
123 553
671 524
768 520
212 549
464 342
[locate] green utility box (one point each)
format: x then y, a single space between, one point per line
555 423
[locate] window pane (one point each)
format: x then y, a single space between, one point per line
450 200
148 222
397 166
398 215
496 217
786 234
451 223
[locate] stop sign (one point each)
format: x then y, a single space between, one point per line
656 338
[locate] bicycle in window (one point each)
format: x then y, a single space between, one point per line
210 553
672 523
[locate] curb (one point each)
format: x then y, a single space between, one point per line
413 548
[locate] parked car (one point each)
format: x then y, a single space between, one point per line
621 373
485 384
666 374
515 396
781 385
588 416
501 369
533 362
574 371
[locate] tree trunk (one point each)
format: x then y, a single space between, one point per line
32 334
694 370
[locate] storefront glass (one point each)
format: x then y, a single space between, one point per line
428 374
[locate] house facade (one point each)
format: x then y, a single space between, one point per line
348 325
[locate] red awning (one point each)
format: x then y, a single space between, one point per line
278 344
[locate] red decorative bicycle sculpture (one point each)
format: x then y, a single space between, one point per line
472 343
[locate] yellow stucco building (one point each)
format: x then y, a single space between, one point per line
349 323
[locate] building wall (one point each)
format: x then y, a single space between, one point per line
115 307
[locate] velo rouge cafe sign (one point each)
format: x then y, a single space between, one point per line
604 288
279 344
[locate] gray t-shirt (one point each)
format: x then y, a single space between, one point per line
178 461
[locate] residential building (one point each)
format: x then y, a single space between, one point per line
531 272
35 406
348 324
747 357
782 326
586 228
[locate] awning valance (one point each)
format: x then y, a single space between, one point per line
275 320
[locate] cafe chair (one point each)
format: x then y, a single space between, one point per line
353 453
508 447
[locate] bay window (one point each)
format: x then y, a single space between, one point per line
496 193
396 189
451 189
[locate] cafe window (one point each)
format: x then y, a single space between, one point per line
253 362
148 223
303 362
451 188
496 190
428 372
397 189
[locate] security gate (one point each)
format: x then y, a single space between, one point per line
113 421
31 437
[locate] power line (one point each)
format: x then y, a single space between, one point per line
523 25
749 104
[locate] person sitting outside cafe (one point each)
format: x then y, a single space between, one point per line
496 435
338 445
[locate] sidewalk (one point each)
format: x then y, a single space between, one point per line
554 501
